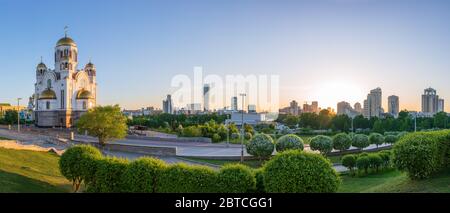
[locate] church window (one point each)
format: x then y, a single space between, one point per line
60 54
47 105
84 105
62 99
49 83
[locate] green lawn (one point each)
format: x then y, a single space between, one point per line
30 171
395 181
250 163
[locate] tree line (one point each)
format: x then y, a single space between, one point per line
326 120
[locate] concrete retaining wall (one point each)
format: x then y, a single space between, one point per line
178 139
148 150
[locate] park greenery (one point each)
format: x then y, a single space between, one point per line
325 120
104 122
289 171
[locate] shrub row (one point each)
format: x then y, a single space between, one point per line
289 171
422 154
263 145
365 162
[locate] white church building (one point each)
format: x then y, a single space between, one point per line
64 93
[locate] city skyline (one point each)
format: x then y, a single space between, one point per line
325 51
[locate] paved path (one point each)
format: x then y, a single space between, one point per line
184 149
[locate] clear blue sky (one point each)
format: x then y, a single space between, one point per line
344 47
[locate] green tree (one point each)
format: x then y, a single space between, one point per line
324 119
341 123
104 122
440 120
378 127
10 117
291 120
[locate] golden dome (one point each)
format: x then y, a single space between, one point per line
66 41
84 94
41 66
48 94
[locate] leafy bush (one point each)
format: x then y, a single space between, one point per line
363 163
109 176
248 135
342 142
216 137
349 161
386 157
321 143
375 161
295 171
192 131
234 135
143 174
78 164
376 138
360 141
288 142
235 178
421 154
261 146
183 178
259 177
391 139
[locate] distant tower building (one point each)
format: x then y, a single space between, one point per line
358 108
206 89
393 105
234 103
372 105
293 108
430 101
441 105
167 105
315 106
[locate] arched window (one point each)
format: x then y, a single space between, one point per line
49 83
84 105
47 105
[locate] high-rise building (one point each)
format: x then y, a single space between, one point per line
293 108
372 105
206 89
167 105
313 107
393 105
344 108
358 108
441 105
234 103
430 101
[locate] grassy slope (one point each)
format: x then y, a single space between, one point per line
395 181
30 171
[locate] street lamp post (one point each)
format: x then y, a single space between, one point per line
228 135
18 114
242 127
415 122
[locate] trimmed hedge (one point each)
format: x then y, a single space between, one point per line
422 154
183 178
321 143
376 139
235 178
261 146
295 171
259 176
78 164
109 175
142 174
342 142
288 142
349 161
360 141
